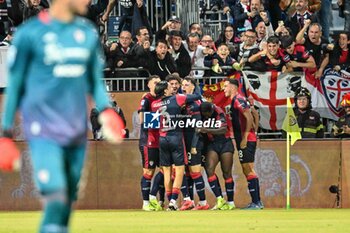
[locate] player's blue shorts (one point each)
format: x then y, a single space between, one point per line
149 156
172 151
221 146
56 168
197 158
247 155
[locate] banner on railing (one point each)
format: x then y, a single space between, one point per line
328 91
270 91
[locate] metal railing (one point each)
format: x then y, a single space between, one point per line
188 12
135 79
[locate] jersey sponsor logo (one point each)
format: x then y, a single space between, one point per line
151 120
68 71
43 176
55 53
79 36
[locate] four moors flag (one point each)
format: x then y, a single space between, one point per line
270 91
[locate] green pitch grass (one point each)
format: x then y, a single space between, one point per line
125 221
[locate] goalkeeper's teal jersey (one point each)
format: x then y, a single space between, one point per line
52 67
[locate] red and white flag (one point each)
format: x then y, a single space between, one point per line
270 91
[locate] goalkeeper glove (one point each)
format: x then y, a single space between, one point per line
9 154
112 126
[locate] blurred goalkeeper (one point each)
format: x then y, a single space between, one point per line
53 63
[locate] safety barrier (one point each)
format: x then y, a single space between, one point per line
111 179
135 79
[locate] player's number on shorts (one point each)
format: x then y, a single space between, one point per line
240 154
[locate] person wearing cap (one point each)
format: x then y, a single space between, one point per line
309 121
180 54
173 24
341 128
296 57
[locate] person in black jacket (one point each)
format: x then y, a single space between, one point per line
121 55
30 8
339 58
180 54
160 62
94 10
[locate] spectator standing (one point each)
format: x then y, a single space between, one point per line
269 59
247 48
160 62
180 54
317 45
196 52
218 60
297 58
228 37
297 21
30 8
121 55
339 58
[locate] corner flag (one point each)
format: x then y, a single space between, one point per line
290 124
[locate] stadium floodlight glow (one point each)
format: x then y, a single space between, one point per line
336 190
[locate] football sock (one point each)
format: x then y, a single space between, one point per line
200 185
190 186
214 185
253 188
175 194
158 183
145 186
229 186
56 216
184 188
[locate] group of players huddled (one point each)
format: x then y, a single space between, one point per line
193 133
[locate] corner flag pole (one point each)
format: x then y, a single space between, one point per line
291 127
288 172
